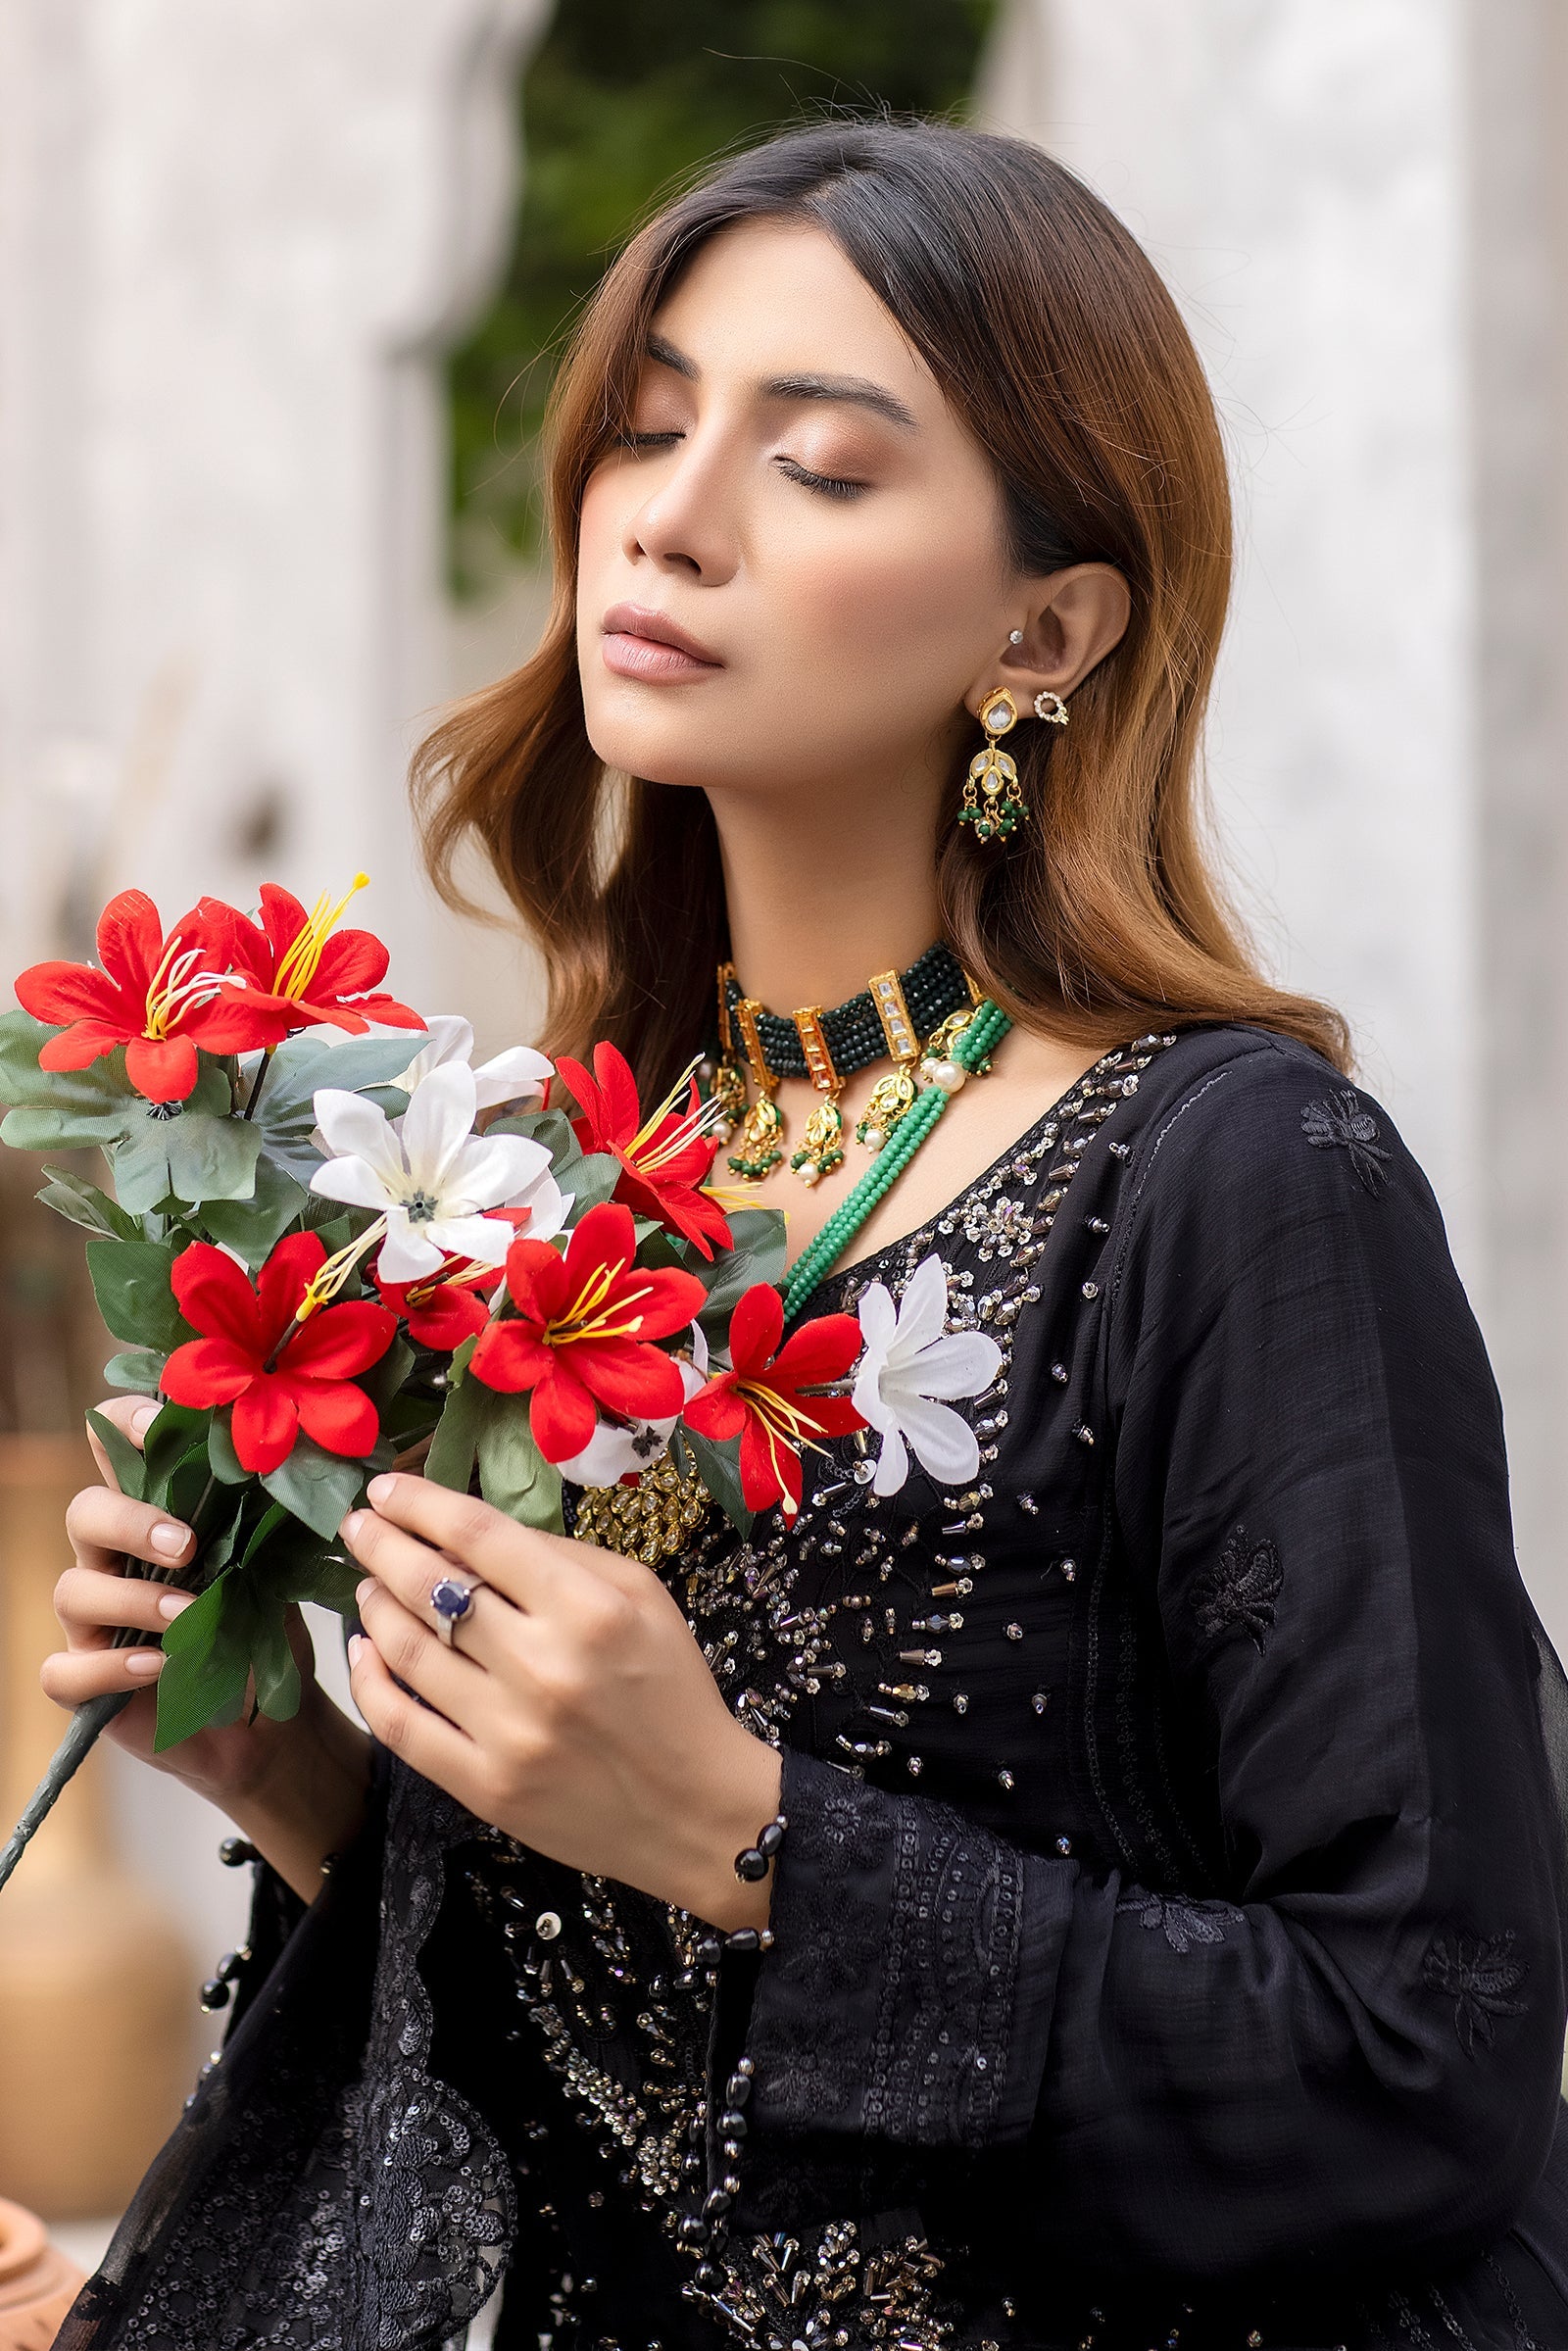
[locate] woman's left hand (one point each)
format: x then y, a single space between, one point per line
574 1710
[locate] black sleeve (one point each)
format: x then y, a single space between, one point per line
1356 2055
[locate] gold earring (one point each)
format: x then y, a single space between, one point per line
1051 707
991 797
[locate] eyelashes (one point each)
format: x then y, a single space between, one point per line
824 486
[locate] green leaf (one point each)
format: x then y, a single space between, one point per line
125 1459
455 1444
227 1465
590 1179
277 1677
207 1661
178 1433
758 1254
385 1377
719 1468
57 1107
317 1487
212 1158
513 1474
138 1369
325 1578
253 1227
71 1195
130 1280
285 1114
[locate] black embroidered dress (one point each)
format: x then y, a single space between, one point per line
1169 1933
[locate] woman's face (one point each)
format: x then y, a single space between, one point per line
802 510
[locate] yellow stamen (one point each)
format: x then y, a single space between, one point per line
690 1128
589 1318
330 1277
177 987
299 966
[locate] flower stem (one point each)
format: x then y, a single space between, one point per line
264 1067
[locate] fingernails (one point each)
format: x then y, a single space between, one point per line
352 1525
169 1538
143 1662
356 1643
172 1603
362 1591
142 1420
381 1490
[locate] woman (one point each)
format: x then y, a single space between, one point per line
1109 1896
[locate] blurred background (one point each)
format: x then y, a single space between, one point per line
281 287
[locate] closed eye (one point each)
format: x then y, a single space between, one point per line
830 485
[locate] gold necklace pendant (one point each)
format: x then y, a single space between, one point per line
822 1144
889 1099
727 1087
761 1142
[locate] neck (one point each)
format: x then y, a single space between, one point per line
820 898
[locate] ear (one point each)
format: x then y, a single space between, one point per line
1074 618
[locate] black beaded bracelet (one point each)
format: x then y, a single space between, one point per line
751 1866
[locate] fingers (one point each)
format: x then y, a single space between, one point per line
424 1740
72 1675
134 1416
413 1651
91 1602
104 1523
513 1559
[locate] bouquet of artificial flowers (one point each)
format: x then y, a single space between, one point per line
329 1238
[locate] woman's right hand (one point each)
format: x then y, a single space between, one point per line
232 1767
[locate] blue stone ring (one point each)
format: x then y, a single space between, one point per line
452 1603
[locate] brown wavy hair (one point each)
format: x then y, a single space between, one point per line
1059 348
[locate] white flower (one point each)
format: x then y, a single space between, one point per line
619 1448
432 1177
518 1074
910 1359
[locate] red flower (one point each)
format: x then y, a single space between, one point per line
443 1308
760 1397
295 969
582 1332
159 998
665 1159
278 1384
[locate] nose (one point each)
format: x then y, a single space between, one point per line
686 524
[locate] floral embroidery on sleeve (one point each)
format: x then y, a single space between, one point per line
1182 1922
1478 1973
1345 1122
1240 1589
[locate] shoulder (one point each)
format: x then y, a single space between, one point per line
1237 1106
1245 1142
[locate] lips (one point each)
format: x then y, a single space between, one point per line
639 622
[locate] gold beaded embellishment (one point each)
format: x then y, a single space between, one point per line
649 1521
822 1144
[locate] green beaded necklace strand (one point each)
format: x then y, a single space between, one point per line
983 1034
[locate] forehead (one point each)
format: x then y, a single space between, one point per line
770 297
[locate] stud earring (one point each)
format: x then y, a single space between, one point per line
991 798
1051 707
1015 636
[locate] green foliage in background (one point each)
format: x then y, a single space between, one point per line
622 97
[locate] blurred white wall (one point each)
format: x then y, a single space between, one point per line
233 243
1358 204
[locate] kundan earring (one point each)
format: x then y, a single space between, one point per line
991 798
1051 707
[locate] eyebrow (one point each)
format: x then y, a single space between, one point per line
857 391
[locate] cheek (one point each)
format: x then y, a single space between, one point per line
897 595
